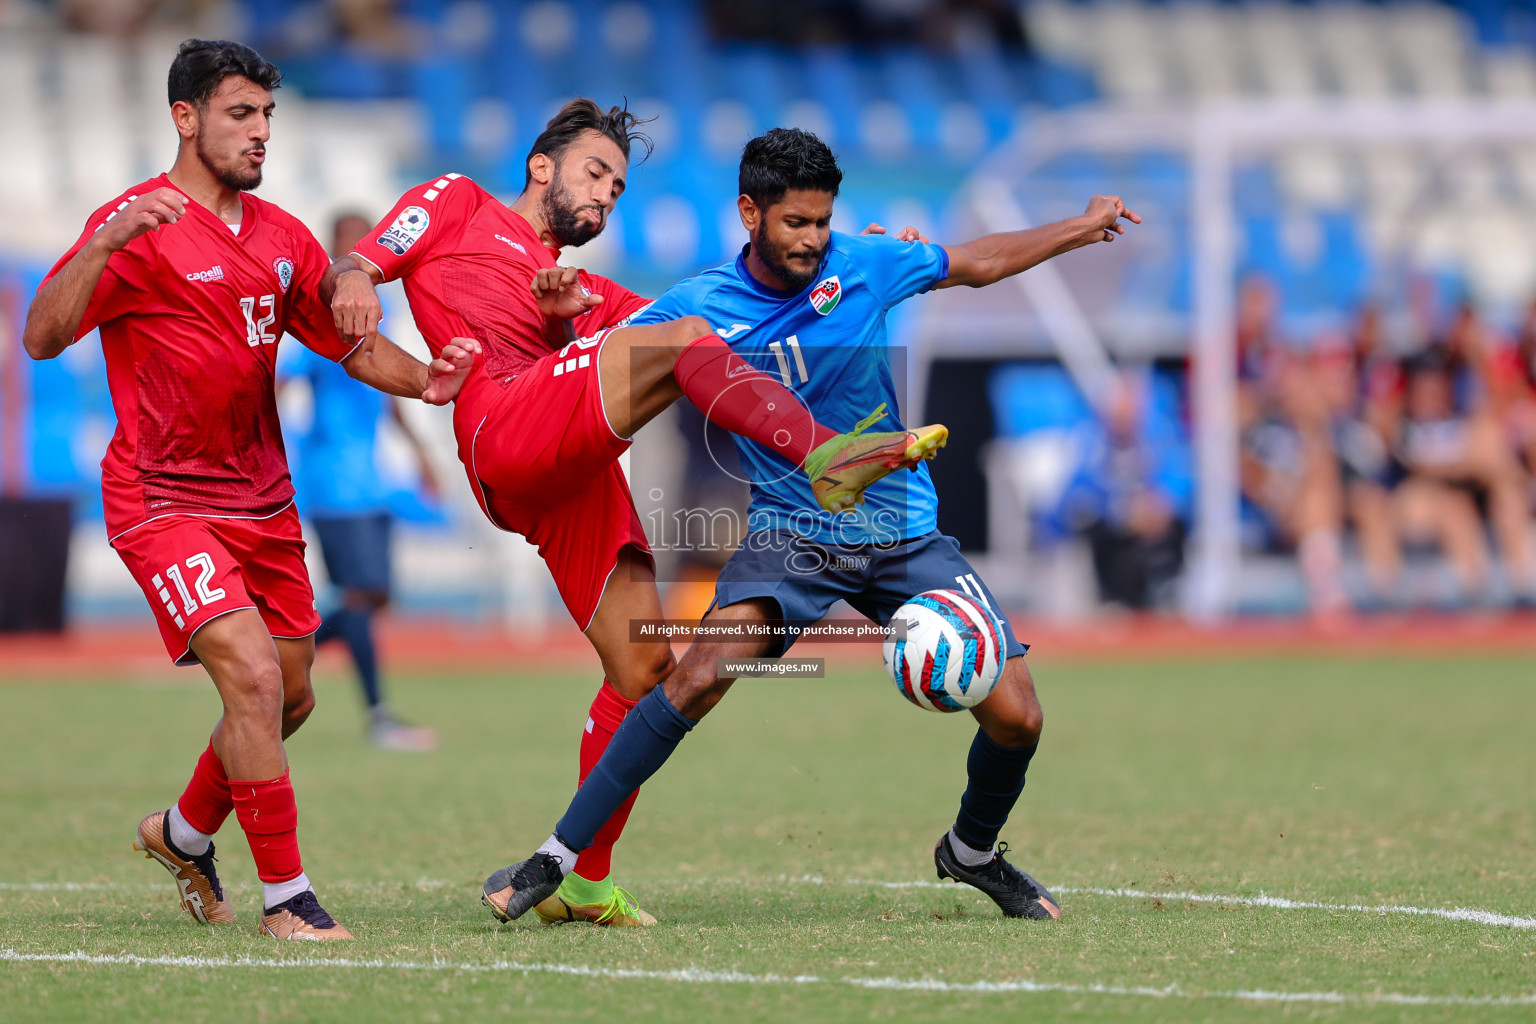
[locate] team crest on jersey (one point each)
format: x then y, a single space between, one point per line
283 267
408 227
825 296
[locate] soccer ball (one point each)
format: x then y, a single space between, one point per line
952 655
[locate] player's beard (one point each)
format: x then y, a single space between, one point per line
241 179
776 260
562 217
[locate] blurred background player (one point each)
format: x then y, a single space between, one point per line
814 303
1131 498
342 493
193 282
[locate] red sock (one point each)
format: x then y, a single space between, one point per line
270 818
608 710
206 801
746 401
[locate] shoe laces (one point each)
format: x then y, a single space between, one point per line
867 422
204 862
540 868
619 904
307 906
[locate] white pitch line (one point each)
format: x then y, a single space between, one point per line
1484 917
702 976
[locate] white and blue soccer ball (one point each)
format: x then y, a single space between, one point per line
952 655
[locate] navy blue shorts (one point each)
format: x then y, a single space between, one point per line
356 550
807 578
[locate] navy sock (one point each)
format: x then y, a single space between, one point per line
996 775
641 745
355 628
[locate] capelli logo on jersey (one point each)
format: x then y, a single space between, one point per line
214 273
825 296
516 245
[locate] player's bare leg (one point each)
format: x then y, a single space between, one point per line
645 369
264 684
696 687
631 670
1010 720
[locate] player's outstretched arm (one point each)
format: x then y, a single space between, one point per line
380 363
54 317
993 257
349 286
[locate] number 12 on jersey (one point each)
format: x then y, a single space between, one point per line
256 331
777 348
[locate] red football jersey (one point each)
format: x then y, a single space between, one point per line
468 262
190 318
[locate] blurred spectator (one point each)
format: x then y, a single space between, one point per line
342 495
1287 467
1366 432
1514 394
1131 498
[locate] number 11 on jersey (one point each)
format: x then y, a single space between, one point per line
777 349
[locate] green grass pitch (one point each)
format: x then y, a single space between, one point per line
1343 781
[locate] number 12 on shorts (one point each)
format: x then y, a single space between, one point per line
203 562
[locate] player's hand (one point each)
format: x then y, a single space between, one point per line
146 213
356 305
906 234
560 294
446 373
1104 215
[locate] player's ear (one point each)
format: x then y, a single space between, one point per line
542 168
185 116
748 211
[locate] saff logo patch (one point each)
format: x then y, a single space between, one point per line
283 267
825 296
408 227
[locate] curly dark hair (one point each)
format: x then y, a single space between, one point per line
583 115
783 159
201 64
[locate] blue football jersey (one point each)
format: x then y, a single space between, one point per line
827 343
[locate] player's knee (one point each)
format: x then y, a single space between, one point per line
254 689
691 327
297 708
643 671
1019 729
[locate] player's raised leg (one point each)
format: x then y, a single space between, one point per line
1010 721
639 748
631 670
266 695
645 369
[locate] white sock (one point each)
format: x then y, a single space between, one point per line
186 838
968 855
273 893
562 853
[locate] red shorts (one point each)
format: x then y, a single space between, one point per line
543 462
195 568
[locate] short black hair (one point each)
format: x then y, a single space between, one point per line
584 115
201 64
783 159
